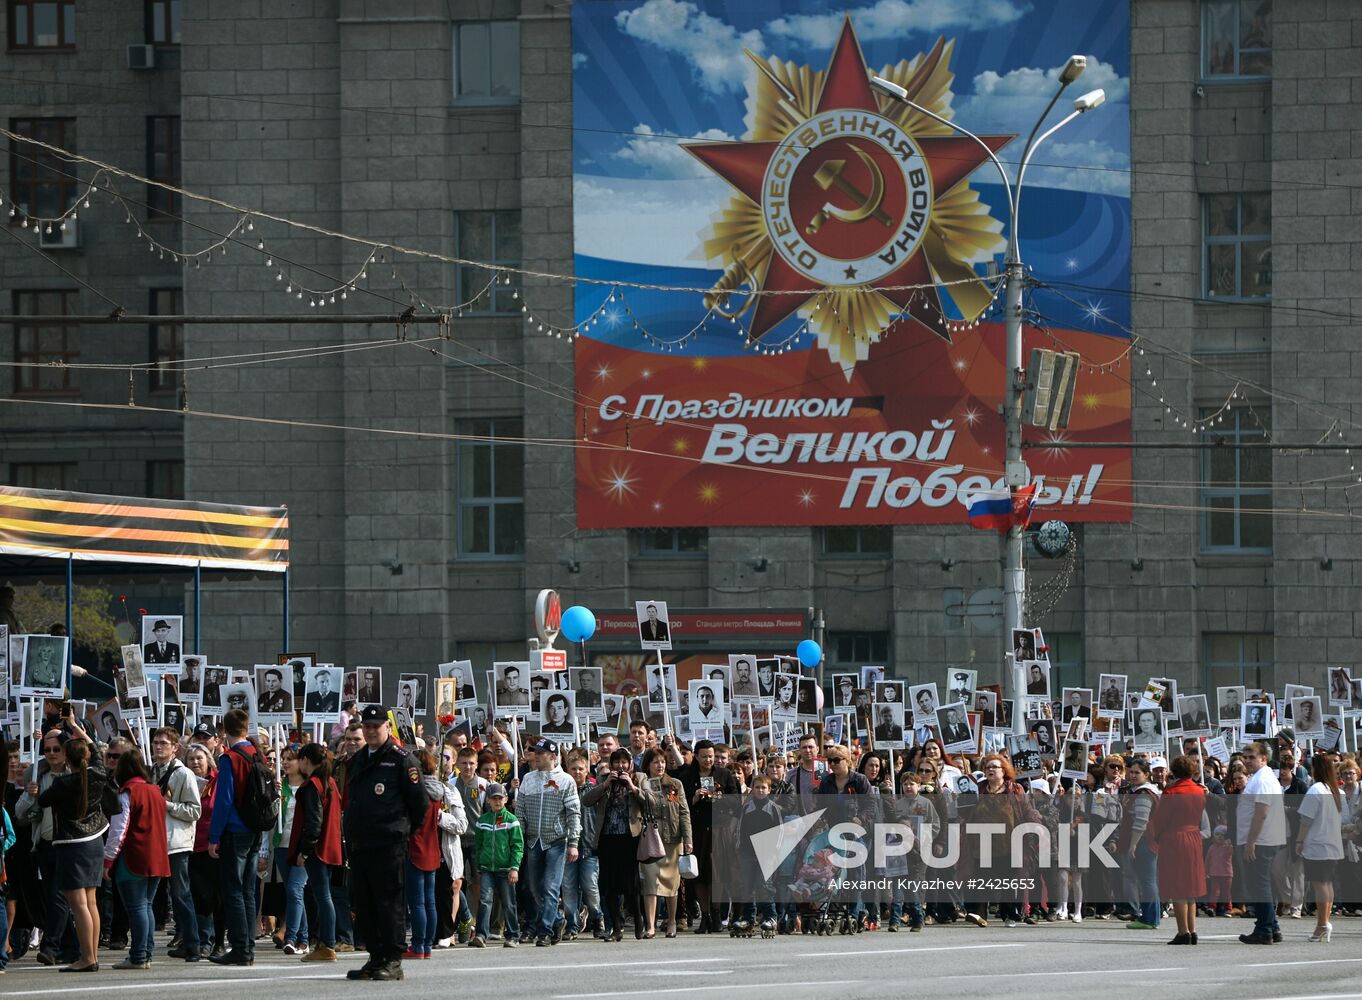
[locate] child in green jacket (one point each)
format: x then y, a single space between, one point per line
498 847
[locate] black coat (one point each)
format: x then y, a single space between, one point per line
384 798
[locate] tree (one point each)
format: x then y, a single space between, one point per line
39 606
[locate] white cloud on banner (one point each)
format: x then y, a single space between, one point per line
1028 81
644 221
894 18
1080 166
712 47
663 157
579 59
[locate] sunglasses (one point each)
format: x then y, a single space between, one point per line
112 756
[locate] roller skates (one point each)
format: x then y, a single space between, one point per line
740 928
768 928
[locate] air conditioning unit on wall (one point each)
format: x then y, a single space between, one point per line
59 238
141 57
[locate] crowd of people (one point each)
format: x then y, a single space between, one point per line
359 842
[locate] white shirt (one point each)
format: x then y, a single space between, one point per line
1324 840
1261 784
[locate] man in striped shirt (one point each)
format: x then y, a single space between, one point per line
551 817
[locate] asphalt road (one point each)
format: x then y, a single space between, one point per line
954 961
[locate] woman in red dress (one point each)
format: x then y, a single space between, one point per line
1175 835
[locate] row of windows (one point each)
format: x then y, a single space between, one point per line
164 477
50 25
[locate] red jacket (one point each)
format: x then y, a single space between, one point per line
316 822
424 845
144 849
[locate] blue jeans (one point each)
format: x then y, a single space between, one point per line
581 885
137 893
499 883
295 913
237 853
421 908
544 873
1258 891
319 876
182 902
340 906
1147 884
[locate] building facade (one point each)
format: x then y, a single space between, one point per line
396 121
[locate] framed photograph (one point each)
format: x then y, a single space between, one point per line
1025 755
1147 728
870 676
662 687
1075 761
411 694
1077 704
956 733
108 721
589 685
214 680
162 638
1230 705
1037 675
994 740
743 673
134 671
173 717
540 681
654 627
1356 707
191 677
1340 687
240 696
446 695
844 691
889 692
1106 731
614 708
349 687
1077 728
1194 715
986 705
403 726
1255 722
465 687
168 690
707 710
322 701
512 690
1111 696
924 701
558 715
369 685
296 673
785 707
808 708
1289 695
1043 732
1307 715
1168 703
960 683
1024 645
44 673
274 694
834 727
889 719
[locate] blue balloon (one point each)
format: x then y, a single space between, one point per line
809 653
578 624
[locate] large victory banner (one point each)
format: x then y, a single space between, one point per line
799 320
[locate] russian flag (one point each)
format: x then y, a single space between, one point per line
1000 509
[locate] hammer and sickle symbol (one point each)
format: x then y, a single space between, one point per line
829 175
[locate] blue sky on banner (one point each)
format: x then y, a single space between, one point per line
645 71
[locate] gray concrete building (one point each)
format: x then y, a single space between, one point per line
446 128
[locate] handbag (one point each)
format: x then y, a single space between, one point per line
650 847
689 866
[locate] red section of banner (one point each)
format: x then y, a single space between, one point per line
792 439
757 624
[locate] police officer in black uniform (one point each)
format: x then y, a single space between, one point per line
384 802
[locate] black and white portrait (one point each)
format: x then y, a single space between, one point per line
870 676
889 692
108 722
1075 761
44 673
654 628
1168 703
1194 715
743 673
613 705
295 671
1111 696
446 697
1023 645
662 687
369 685
322 703
766 677
411 693
465 687
956 734
785 707
133 670
806 697
162 637
512 686
1230 705
1340 687
588 685
719 673
924 701
1307 716
833 728
960 684
556 713
708 713
889 718
1255 721
214 680
1147 729
1077 703
191 677
274 694
1037 678
986 704
172 716
843 690
1043 730
240 696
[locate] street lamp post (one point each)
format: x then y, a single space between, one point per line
1015 472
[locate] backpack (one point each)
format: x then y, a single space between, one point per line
257 798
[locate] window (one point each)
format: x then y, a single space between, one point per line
491 478
1236 39
678 542
493 237
1233 658
42 184
43 475
487 61
35 25
45 341
858 649
1236 486
165 479
163 22
1066 661
167 339
873 540
163 164
1237 259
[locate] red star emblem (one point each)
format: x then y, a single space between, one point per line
849 201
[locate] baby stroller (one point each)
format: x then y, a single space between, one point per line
813 889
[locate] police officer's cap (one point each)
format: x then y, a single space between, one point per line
373 714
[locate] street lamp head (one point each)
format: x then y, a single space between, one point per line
1073 69
888 87
1092 99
